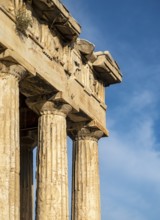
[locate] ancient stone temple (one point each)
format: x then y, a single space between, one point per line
52 85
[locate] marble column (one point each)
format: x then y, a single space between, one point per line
9 141
52 167
85 175
28 143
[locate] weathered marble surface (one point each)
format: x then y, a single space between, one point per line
85 175
9 141
52 165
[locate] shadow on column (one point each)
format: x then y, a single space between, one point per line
28 142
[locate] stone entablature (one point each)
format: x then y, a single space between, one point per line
60 74
52 12
70 66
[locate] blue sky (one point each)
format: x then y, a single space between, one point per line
130 157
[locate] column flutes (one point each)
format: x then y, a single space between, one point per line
85 175
52 165
28 143
9 141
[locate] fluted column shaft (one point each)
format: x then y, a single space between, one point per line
52 197
9 142
28 143
52 165
85 178
26 183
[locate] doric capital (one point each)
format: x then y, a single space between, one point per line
29 139
86 133
8 68
45 105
